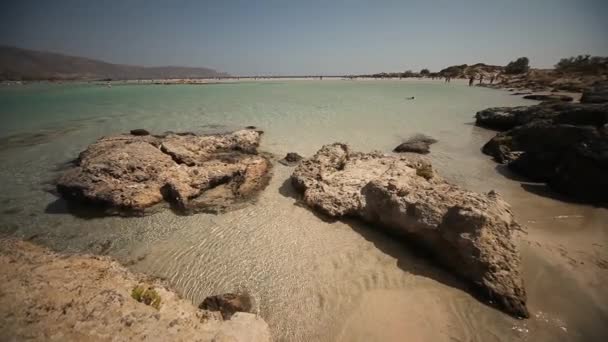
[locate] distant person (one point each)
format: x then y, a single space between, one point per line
471 80
480 79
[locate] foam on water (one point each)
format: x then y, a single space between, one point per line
311 279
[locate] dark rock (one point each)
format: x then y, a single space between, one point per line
468 233
291 159
597 93
418 143
139 132
551 97
522 93
227 304
564 145
128 174
250 127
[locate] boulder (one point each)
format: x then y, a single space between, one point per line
227 304
418 143
291 159
468 233
597 93
564 145
127 174
139 132
505 118
549 97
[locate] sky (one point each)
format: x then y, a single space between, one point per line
313 37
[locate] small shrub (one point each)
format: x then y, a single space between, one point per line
146 295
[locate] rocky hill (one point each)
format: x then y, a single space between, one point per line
23 64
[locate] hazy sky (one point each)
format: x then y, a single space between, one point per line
309 37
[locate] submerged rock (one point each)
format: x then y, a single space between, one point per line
291 159
227 304
418 143
127 174
469 233
564 145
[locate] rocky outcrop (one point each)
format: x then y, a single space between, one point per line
469 233
564 145
228 304
505 118
128 174
549 97
418 143
291 159
52 297
597 93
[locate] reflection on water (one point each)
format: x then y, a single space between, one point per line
312 279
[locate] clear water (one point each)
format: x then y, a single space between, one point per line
312 280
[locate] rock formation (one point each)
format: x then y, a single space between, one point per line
52 297
564 145
418 143
469 233
597 93
127 174
227 304
291 159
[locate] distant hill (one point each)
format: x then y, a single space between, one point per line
23 64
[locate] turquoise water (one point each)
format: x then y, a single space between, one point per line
306 275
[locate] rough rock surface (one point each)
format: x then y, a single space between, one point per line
127 174
549 97
564 145
227 304
597 93
291 159
504 118
469 233
418 143
46 296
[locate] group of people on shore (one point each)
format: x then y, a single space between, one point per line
472 79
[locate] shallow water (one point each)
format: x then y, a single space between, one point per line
312 280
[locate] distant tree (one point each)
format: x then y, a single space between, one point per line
424 72
583 64
518 66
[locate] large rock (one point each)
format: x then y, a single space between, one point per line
128 174
74 297
418 143
505 118
469 233
597 93
565 146
227 304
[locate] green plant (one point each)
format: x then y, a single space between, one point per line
146 295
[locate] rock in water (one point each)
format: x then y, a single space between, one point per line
469 233
227 304
127 174
291 159
419 143
139 131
